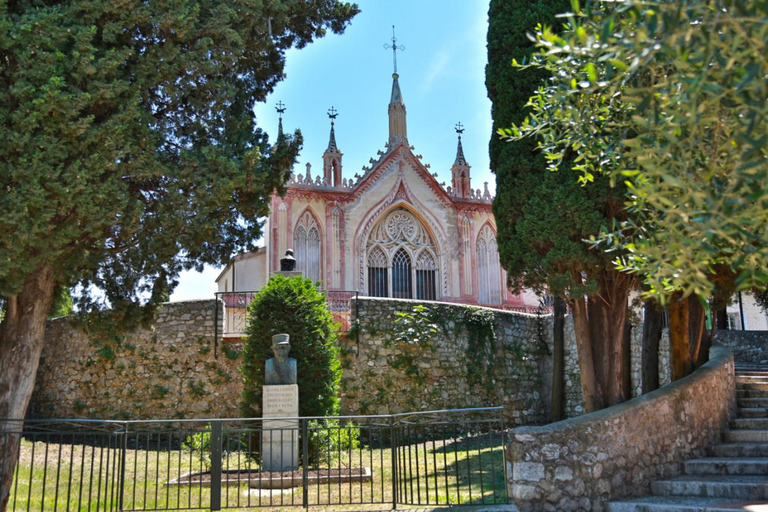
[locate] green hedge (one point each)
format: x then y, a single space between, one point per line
293 306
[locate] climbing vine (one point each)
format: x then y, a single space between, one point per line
482 357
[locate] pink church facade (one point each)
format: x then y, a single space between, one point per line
393 232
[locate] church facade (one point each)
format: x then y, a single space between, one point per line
394 231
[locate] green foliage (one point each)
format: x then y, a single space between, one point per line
293 306
670 99
199 443
196 388
415 326
130 149
762 300
79 407
330 440
62 303
106 352
159 392
542 217
482 354
230 353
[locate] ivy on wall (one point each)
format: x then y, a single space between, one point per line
409 346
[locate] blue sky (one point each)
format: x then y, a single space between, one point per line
442 78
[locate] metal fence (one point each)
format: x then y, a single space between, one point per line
451 457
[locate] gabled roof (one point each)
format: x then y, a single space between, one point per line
381 166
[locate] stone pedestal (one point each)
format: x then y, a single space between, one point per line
280 442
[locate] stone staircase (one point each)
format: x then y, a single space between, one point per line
735 477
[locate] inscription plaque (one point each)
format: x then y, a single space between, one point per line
280 442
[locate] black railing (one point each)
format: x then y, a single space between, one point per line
452 457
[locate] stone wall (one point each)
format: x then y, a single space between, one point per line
580 463
453 366
636 355
168 371
747 346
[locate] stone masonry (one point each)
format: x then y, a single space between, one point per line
580 463
747 346
382 376
168 371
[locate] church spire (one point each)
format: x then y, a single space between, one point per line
332 155
332 114
398 130
280 107
460 169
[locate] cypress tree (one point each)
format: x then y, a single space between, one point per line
543 217
130 152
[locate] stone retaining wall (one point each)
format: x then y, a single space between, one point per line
580 463
168 371
450 368
747 346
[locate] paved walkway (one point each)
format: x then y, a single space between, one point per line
735 477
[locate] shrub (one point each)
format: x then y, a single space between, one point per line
328 439
293 306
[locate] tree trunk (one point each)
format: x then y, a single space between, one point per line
651 339
626 362
722 319
593 398
558 364
21 342
600 337
607 319
696 328
679 337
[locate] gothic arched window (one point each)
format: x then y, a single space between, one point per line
378 285
426 276
401 254
306 246
401 275
488 268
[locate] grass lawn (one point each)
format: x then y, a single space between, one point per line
59 474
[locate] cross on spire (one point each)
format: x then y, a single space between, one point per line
280 108
332 114
459 128
394 47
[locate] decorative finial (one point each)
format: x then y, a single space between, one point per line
332 114
394 48
459 128
280 107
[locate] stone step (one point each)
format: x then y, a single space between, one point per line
749 424
727 466
751 375
752 412
752 402
752 393
730 487
746 379
740 450
745 436
754 386
682 504
755 370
